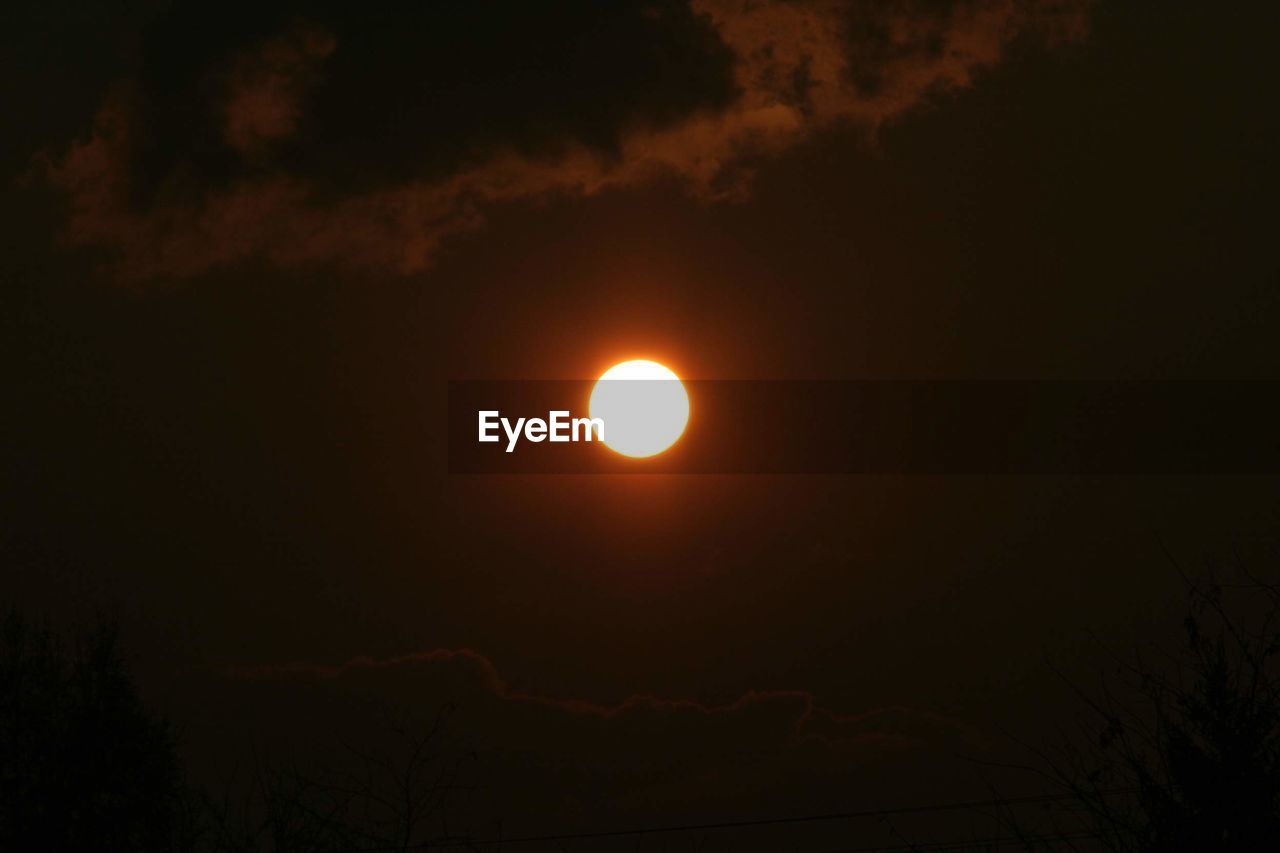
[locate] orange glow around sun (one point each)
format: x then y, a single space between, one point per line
644 407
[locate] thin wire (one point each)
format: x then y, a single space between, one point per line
972 843
722 825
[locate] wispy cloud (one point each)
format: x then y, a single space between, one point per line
798 68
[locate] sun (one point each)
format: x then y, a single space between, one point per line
644 407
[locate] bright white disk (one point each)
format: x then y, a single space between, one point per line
644 407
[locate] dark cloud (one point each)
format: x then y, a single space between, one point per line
265 87
411 91
367 138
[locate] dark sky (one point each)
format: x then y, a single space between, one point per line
244 251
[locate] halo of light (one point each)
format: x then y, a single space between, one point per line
644 407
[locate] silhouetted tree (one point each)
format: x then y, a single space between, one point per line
390 798
83 765
1193 762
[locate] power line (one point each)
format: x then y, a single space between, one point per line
998 842
738 824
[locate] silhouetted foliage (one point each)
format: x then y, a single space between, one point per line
1193 762
397 797
83 765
